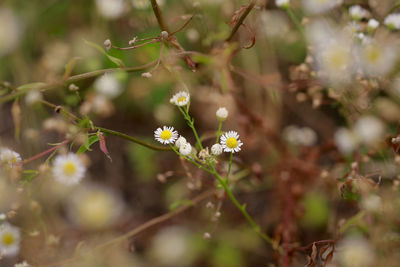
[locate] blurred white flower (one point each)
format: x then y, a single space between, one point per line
94 207
355 252
230 142
180 99
358 13
320 6
377 58
346 140
392 21
10 239
68 169
371 203
216 149
22 264
180 141
222 114
185 149
10 31
9 157
111 9
171 247
108 85
166 135
282 3
373 24
32 97
369 128
192 34
304 136
333 50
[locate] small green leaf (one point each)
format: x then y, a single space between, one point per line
115 60
91 140
31 86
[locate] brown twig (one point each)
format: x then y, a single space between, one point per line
240 20
158 14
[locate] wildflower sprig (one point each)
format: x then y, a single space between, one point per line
229 143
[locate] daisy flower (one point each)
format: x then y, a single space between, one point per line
166 135
68 169
10 238
180 142
180 99
230 142
185 149
373 24
9 157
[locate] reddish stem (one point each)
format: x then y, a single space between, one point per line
45 152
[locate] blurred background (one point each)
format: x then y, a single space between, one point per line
315 101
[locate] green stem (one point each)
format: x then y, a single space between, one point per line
219 132
190 122
229 168
397 5
192 161
295 21
132 139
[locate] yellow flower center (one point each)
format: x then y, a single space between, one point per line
373 53
166 134
182 99
69 168
231 142
8 239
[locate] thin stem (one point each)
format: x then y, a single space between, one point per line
190 122
295 21
132 139
397 5
192 161
229 167
219 132
45 152
158 14
136 46
240 20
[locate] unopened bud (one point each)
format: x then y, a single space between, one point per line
133 41
164 35
146 75
107 44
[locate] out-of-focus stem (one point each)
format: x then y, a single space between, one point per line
158 14
240 20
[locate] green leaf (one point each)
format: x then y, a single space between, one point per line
31 86
90 141
29 175
115 60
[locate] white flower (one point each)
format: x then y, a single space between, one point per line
3 216
94 207
377 58
185 149
369 128
180 142
22 264
372 203
108 85
282 3
32 97
358 13
355 252
230 142
216 149
10 238
9 157
346 140
68 169
373 24
166 135
320 6
392 21
111 9
180 99
222 113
